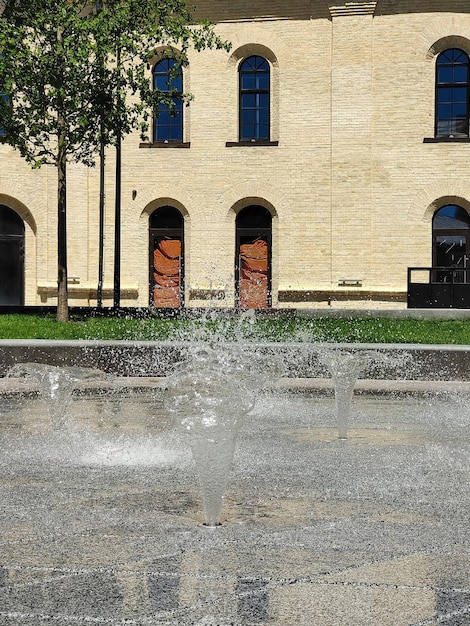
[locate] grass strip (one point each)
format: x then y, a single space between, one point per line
210 327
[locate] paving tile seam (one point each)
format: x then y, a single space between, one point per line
352 583
271 582
35 583
178 613
441 619
84 619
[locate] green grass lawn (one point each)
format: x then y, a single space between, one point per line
282 327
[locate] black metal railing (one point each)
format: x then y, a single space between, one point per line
438 287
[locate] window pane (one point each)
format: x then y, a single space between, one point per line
444 75
161 82
178 105
176 84
174 115
262 81
247 133
248 65
451 216
460 110
445 94
248 81
452 101
248 101
460 126
459 56
161 133
444 128
460 74
169 122
248 117
459 94
444 111
261 64
254 98
176 133
163 116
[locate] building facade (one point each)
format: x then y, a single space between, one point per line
319 159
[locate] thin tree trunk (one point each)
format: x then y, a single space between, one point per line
62 292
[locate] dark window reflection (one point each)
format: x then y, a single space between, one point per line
451 242
452 94
253 601
168 78
254 99
164 588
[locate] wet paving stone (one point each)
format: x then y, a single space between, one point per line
103 523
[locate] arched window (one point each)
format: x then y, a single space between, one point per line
253 258
168 124
11 257
166 258
451 243
452 93
254 102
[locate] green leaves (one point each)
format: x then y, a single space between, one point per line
74 73
71 60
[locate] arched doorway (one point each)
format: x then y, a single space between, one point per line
166 258
451 244
11 258
253 258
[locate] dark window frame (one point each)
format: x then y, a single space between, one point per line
451 59
451 230
255 66
169 230
175 114
243 233
12 231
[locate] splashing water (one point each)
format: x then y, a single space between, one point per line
209 395
55 384
345 366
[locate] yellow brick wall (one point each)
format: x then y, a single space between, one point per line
351 185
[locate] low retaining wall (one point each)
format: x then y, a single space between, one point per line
134 358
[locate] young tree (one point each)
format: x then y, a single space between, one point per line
75 75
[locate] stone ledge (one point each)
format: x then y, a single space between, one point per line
353 293
77 288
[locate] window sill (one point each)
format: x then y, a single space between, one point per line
446 140
252 143
165 144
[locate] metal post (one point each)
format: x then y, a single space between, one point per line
99 291
99 294
117 227
117 203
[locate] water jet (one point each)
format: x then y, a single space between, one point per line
380 521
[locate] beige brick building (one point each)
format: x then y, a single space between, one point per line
330 135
